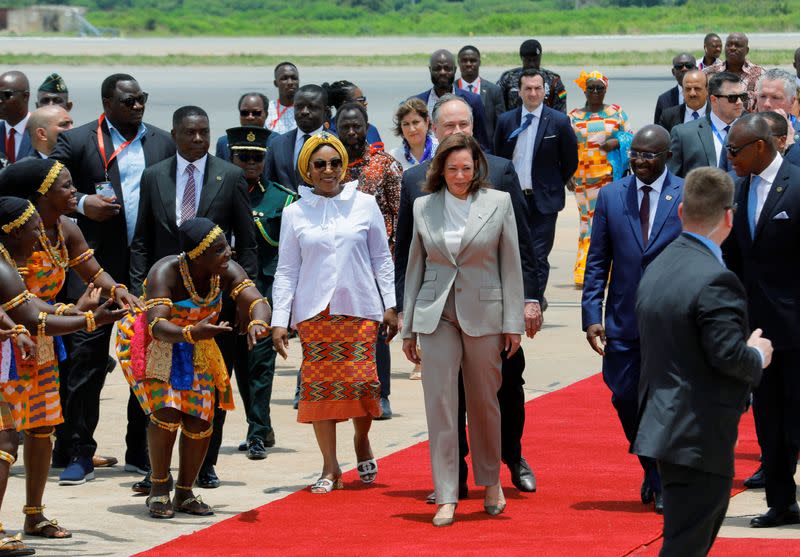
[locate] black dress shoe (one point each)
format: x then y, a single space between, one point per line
207 478
242 446
463 493
143 486
777 517
757 480
522 476
256 449
269 440
658 502
646 492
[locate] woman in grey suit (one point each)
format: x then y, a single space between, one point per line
464 299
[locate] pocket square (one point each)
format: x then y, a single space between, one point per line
783 215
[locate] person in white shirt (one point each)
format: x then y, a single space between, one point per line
335 284
280 117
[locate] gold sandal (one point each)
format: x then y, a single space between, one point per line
168 511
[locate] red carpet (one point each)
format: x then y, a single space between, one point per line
587 503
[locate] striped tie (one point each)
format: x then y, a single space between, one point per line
189 193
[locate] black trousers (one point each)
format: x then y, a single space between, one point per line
255 372
511 397
543 234
776 409
694 508
383 361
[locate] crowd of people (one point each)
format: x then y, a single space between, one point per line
302 223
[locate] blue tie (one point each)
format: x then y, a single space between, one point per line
525 125
695 115
752 202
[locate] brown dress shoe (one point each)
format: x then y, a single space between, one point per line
103 461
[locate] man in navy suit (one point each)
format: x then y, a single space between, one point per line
443 76
634 220
681 64
542 145
252 112
15 142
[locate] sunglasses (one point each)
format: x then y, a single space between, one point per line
595 89
731 208
335 164
7 93
683 66
644 156
130 102
362 100
253 113
47 101
247 157
734 151
733 98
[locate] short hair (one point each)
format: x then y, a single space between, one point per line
530 72
263 97
716 80
313 89
777 74
469 47
777 123
282 64
38 119
337 92
187 112
414 104
710 36
351 106
707 194
434 179
110 83
445 99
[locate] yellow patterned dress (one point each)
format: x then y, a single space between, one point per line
174 375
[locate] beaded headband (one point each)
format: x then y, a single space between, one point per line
207 241
51 177
20 220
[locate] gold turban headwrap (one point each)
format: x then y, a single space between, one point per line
311 145
584 77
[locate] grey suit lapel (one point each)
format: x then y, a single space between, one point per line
433 214
212 184
707 141
479 212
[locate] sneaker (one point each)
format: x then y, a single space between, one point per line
386 409
79 471
136 469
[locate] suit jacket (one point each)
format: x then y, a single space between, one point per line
692 146
697 370
617 248
25 148
223 199
767 264
78 150
478 116
674 116
502 177
792 154
555 155
493 105
665 100
279 166
486 273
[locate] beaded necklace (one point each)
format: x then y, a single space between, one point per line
188 284
7 256
58 254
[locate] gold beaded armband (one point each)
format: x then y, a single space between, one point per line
187 334
42 324
85 256
246 283
149 304
97 274
116 287
153 323
61 309
90 324
18 300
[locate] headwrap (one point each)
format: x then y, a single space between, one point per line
14 212
311 145
30 177
594 74
248 138
195 235
53 83
531 47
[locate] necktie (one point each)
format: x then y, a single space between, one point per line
11 146
187 204
525 125
752 204
695 115
470 88
306 137
644 213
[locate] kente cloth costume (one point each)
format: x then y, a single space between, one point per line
592 129
181 375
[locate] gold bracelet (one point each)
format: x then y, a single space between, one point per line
61 309
157 302
97 274
187 334
152 325
20 330
42 324
8 457
115 288
17 300
246 283
85 256
254 304
256 322
90 324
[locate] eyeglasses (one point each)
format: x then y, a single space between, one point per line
734 151
732 208
247 157
335 164
644 156
130 102
362 100
595 89
8 93
253 113
683 66
733 98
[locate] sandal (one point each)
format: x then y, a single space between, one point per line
199 508
39 532
326 485
13 547
165 512
367 470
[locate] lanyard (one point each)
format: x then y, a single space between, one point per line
719 135
476 84
102 148
279 112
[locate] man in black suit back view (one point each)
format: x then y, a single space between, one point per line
698 366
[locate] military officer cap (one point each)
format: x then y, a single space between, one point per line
250 138
53 83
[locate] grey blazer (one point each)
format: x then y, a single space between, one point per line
692 147
486 273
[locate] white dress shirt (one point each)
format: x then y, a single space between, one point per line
767 176
433 98
720 126
19 130
455 215
182 177
464 85
523 152
687 117
333 252
299 141
653 194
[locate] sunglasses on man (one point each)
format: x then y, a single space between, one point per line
683 66
130 102
6 94
248 113
733 98
734 151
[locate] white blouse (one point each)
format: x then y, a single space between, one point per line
456 212
333 251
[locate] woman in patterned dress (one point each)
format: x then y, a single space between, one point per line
335 279
596 127
171 361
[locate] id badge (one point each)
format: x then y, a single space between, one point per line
106 189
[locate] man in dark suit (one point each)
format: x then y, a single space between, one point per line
450 115
252 112
681 64
106 158
194 184
44 126
694 107
310 103
14 98
541 143
442 67
634 220
762 251
700 142
469 64
698 366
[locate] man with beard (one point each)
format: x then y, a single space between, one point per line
555 94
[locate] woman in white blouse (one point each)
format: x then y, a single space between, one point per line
464 300
335 281
412 123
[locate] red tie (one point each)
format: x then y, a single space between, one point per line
187 204
11 146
